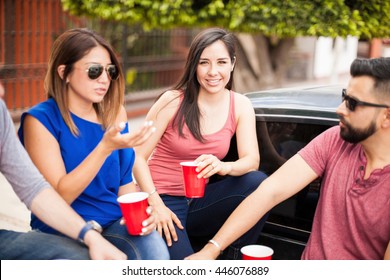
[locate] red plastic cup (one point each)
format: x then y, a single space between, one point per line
133 206
194 186
256 252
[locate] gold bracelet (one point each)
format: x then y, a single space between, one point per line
216 244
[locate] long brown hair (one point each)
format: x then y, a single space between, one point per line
68 48
189 112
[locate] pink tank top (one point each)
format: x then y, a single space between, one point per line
164 163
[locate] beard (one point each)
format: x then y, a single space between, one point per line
355 135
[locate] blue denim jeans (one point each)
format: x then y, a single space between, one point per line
148 247
35 245
203 217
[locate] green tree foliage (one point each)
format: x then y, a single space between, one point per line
271 24
288 18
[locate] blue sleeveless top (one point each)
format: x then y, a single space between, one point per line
98 200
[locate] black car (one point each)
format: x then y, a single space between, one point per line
286 120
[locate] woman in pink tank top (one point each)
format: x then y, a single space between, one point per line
196 121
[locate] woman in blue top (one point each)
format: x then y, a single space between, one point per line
79 139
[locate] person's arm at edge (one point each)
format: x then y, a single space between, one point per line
281 185
38 196
65 220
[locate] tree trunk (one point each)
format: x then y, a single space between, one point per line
280 54
261 62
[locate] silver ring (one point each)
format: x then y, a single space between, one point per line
214 164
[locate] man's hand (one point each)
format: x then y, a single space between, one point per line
100 248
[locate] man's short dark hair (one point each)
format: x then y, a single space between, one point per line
376 68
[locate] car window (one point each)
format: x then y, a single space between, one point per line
285 140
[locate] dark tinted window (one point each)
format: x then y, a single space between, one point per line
289 223
278 141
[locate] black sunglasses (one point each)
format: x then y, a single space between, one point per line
95 70
351 102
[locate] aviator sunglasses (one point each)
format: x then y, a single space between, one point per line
351 102
95 70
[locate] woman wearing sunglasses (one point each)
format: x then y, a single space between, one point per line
79 140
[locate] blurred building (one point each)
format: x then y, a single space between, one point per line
153 59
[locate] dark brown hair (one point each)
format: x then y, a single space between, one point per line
376 68
189 112
68 48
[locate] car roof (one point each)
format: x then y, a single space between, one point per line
305 102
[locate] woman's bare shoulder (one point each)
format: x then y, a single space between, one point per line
170 95
169 98
242 101
166 105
